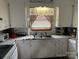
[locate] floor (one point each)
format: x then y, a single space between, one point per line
53 58
58 58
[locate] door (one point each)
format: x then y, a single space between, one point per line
61 46
17 13
4 15
23 49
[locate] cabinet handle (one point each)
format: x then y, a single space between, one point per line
30 45
1 19
6 26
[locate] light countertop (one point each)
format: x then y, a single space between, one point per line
12 41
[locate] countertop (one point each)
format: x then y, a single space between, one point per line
12 41
23 38
31 37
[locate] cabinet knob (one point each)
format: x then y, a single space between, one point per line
1 19
30 45
0 27
6 26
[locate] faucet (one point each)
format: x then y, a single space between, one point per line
46 34
41 35
35 34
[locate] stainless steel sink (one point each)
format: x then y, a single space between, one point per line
59 36
41 38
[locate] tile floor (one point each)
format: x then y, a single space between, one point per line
58 58
53 58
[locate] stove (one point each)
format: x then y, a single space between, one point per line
4 49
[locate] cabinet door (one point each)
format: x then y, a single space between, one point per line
61 46
1 25
4 23
17 13
43 48
23 49
65 12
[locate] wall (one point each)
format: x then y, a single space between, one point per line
21 30
75 15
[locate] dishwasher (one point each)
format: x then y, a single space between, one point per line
72 49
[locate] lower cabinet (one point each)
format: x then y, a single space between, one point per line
61 47
41 48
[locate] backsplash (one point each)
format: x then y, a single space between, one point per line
16 32
21 30
66 31
55 31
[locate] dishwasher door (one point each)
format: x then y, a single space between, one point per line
72 49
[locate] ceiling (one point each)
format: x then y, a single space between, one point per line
41 1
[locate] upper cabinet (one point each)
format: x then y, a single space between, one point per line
65 12
4 15
75 13
17 13
68 12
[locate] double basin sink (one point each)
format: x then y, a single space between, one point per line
49 37
42 37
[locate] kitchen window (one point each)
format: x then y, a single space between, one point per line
42 18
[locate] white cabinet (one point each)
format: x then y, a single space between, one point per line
17 13
65 12
61 46
23 49
72 48
35 48
75 14
43 48
4 14
53 47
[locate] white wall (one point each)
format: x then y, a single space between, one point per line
75 15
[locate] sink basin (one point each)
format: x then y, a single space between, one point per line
4 49
59 36
41 38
